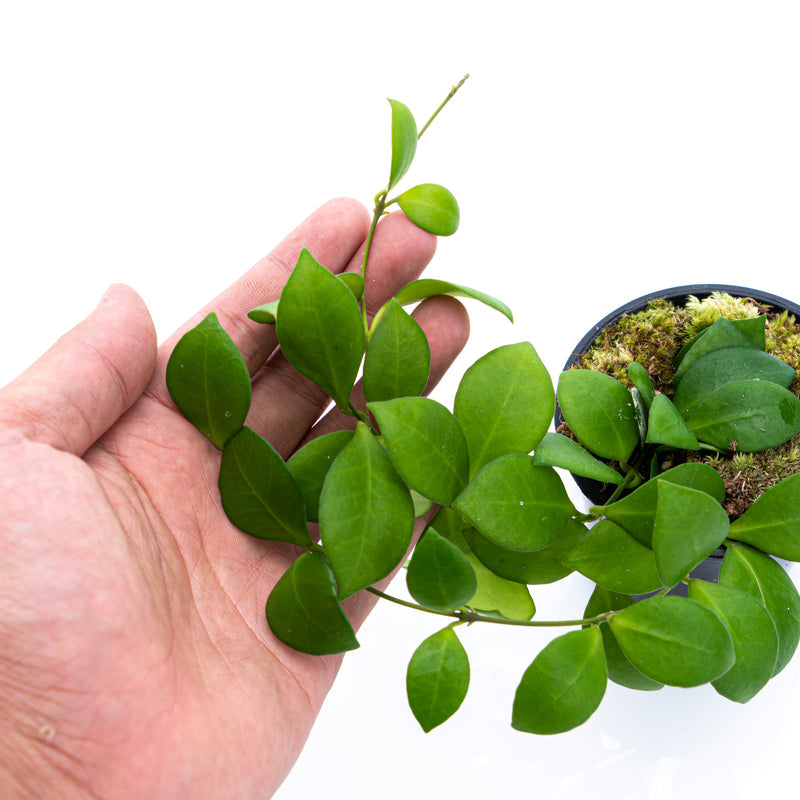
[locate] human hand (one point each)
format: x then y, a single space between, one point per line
135 657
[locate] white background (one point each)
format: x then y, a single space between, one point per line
600 150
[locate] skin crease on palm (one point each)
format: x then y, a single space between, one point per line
135 658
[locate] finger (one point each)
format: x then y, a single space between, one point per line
87 380
285 404
333 234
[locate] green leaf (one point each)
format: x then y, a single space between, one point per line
515 504
641 380
320 329
495 595
667 426
437 679
689 526
266 313
747 416
404 142
636 512
423 288
303 612
599 411
620 670
772 523
259 493
310 465
755 640
439 575
450 524
674 640
432 208
209 382
504 403
613 559
557 450
398 358
354 282
732 364
762 577
563 686
425 444
366 515
537 567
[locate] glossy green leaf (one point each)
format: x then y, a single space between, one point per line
636 512
762 577
354 282
689 526
366 515
398 358
404 141
450 525
641 380
667 426
732 364
431 207
310 465
563 686
423 288
266 313
515 504
755 640
613 559
209 382
772 523
599 411
320 329
674 640
439 575
303 612
557 450
537 567
426 445
437 678
504 403
496 595
620 670
747 416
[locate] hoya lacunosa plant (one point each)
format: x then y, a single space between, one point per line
502 521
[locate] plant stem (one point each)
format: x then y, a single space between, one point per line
442 105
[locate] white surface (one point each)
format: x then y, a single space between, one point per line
599 151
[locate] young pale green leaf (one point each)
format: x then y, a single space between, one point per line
613 559
732 364
747 416
755 640
504 403
259 493
496 595
437 679
398 358
303 612
667 426
404 142
515 504
636 512
422 505
689 526
320 329
557 450
674 640
599 411
641 380
772 523
366 515
426 445
537 567
432 208
266 313
439 575
209 382
354 282
563 686
423 288
620 670
762 577
310 465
